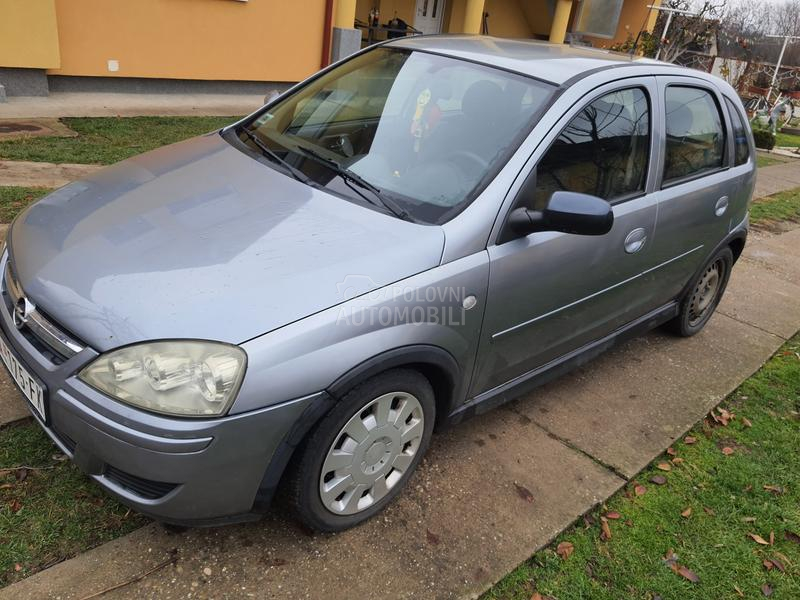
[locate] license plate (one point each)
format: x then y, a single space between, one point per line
29 387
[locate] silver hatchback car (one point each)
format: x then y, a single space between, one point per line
412 236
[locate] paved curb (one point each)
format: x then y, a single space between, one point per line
92 104
41 174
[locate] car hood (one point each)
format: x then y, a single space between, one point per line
198 240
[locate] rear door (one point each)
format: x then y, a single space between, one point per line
695 188
551 293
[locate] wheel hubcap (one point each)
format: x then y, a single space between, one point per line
371 453
705 293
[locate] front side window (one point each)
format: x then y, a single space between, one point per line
422 131
695 134
603 151
741 149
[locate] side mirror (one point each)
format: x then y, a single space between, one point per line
568 212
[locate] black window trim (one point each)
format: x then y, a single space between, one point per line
726 158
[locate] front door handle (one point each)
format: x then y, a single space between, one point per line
635 240
721 206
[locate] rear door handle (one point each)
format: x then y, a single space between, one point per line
635 240
721 206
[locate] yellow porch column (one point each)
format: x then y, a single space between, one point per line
651 20
558 30
344 15
473 16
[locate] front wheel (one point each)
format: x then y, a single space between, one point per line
704 294
361 454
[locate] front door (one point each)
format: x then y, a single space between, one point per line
428 16
552 293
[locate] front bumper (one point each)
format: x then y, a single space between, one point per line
189 471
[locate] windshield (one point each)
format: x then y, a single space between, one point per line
412 133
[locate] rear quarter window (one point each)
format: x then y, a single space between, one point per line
741 149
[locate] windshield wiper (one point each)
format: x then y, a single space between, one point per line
353 177
269 153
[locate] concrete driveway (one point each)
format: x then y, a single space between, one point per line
492 490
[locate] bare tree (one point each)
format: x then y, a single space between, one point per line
689 33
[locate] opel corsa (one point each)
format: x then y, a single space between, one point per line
410 237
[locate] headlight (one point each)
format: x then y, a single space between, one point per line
184 378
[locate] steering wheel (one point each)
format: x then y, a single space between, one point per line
465 158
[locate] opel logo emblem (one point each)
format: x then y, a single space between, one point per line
22 311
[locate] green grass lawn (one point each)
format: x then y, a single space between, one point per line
783 206
722 486
14 199
107 140
785 139
50 511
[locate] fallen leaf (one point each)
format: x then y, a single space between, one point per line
783 558
21 474
59 457
709 511
687 513
15 506
727 450
758 539
766 590
689 440
771 538
738 591
658 479
746 422
614 515
775 489
778 565
640 490
605 530
671 451
748 519
524 493
664 466
588 521
431 537
688 574
628 523
6 486
791 536
677 460
17 567
565 549
767 564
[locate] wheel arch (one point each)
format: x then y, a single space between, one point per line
434 363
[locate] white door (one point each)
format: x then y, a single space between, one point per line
428 16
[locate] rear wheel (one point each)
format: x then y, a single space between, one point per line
704 295
361 454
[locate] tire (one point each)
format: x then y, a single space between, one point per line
390 417
703 295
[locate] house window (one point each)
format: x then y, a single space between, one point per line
598 18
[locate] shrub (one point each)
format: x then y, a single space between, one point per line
764 139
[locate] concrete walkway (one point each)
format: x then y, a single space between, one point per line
41 174
777 178
70 104
464 521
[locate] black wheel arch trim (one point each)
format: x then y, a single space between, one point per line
404 356
738 235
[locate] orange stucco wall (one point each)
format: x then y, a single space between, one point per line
28 35
262 40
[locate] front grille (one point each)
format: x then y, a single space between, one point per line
41 331
140 486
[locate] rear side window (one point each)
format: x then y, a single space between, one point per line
741 151
695 135
603 151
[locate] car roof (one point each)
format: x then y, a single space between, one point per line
556 63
